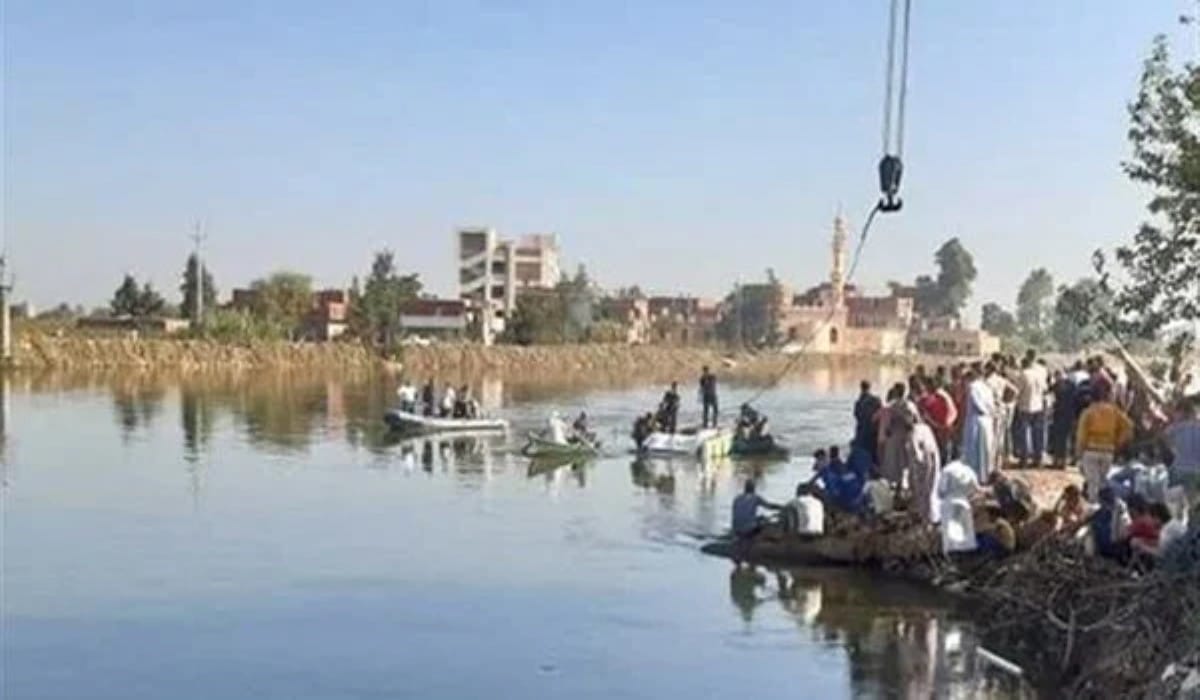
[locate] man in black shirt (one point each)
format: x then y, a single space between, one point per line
669 409
708 395
865 432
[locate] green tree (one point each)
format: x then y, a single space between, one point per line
927 298
375 315
1158 289
135 301
187 289
539 319
1034 306
150 302
956 274
751 314
1078 309
282 299
127 299
998 321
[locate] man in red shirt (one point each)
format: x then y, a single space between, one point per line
939 412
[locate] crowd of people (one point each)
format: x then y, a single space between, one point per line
944 446
451 403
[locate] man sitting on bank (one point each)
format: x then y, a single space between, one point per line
804 515
746 521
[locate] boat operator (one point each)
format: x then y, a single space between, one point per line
668 410
708 396
746 521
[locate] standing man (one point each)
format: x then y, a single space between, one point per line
1103 429
868 404
669 410
708 395
979 425
1029 423
1183 439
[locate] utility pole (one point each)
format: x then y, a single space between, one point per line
198 235
5 316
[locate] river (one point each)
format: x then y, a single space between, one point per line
263 536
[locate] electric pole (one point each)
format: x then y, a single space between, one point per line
198 235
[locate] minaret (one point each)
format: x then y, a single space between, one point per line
837 274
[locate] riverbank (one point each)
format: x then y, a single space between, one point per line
451 361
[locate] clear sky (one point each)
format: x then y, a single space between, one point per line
676 144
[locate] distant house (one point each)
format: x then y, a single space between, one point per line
329 315
150 325
431 317
964 342
631 312
682 319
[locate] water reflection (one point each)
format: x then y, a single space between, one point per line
136 405
900 641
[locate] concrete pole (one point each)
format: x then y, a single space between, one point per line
5 316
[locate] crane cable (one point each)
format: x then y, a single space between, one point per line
890 170
895 102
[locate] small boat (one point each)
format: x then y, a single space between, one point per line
538 446
758 446
414 422
701 443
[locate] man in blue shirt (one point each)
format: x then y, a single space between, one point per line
842 483
746 523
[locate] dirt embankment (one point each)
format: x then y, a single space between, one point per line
599 362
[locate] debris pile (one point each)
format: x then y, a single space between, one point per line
1087 627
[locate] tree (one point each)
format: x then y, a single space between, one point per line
927 299
1034 306
126 299
752 313
135 301
1077 310
539 319
187 289
283 299
956 274
997 321
1159 289
150 302
376 313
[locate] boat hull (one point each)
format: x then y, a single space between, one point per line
702 444
540 447
414 422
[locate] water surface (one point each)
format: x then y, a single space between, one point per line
265 537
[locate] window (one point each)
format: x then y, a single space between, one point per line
833 336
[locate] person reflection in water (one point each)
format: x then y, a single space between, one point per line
744 582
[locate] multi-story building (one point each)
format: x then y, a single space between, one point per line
491 272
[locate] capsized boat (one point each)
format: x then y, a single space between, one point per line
538 446
701 443
415 422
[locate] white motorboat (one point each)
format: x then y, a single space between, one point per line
415 422
702 443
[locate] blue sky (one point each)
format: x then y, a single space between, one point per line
678 145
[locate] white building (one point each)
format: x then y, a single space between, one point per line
491 271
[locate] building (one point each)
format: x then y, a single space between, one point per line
964 342
491 271
437 318
837 318
633 313
681 320
329 315
150 325
326 319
